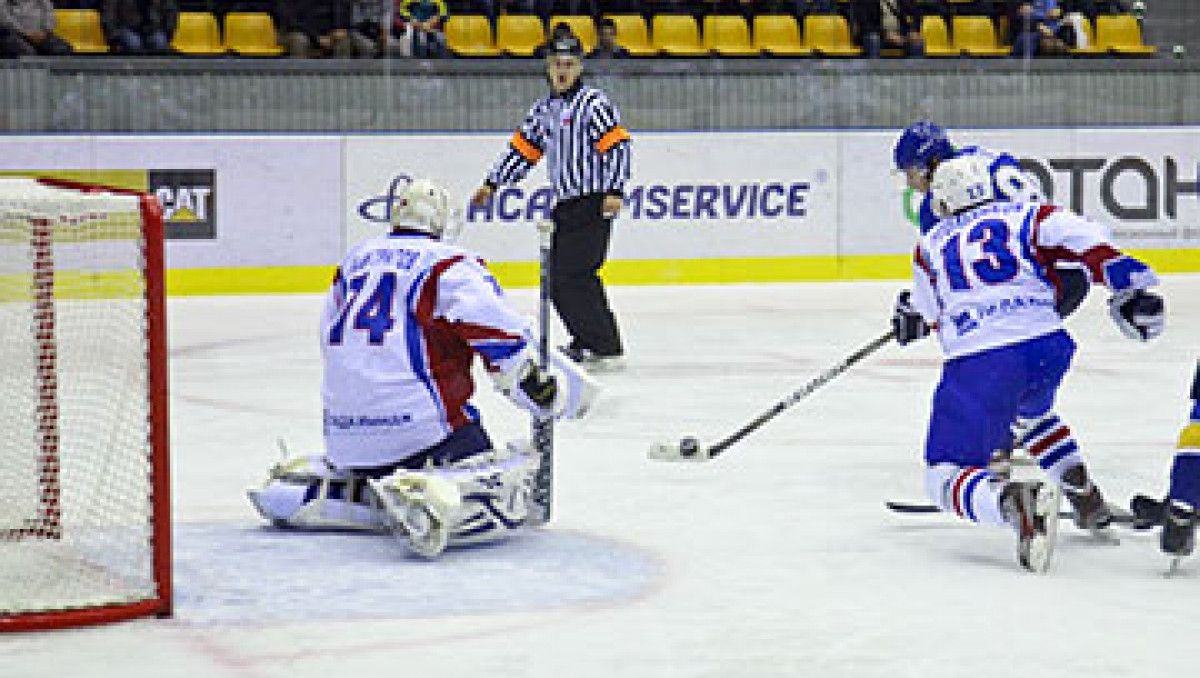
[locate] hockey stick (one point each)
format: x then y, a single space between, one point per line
1119 518
690 449
543 426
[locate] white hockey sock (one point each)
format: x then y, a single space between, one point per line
1049 441
971 493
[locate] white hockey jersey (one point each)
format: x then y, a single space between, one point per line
985 277
401 325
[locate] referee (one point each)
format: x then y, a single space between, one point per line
588 155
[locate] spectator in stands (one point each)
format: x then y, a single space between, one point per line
139 26
606 42
370 21
888 24
1036 28
27 29
395 35
427 21
315 28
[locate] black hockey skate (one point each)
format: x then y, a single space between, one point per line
1031 507
593 361
1090 511
1147 512
1179 529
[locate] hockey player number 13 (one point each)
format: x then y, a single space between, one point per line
374 315
993 262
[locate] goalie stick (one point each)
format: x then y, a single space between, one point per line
690 449
543 426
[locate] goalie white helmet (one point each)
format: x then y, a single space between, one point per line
961 183
421 205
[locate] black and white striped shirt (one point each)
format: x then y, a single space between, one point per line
579 131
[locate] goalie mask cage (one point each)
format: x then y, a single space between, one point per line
84 508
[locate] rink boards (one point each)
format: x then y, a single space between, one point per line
273 213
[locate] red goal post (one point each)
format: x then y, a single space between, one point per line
84 469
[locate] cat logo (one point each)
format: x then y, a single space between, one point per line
188 198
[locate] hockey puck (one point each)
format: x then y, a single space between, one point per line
689 447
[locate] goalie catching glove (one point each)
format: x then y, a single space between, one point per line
1139 314
564 391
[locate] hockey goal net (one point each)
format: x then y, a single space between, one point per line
84 510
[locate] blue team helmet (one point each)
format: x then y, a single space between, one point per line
920 144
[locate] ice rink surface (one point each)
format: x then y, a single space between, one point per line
777 559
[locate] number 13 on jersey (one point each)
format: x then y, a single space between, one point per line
980 255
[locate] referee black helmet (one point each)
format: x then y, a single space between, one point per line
565 45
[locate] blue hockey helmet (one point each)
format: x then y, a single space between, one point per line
920 144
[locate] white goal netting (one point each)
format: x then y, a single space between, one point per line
81 511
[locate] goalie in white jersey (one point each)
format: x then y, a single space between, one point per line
981 280
405 451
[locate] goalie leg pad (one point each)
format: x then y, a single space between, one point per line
418 508
480 499
307 493
497 491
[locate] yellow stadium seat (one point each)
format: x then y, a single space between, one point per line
519 34
1121 34
1089 36
976 36
728 36
251 34
470 35
197 34
779 35
937 38
81 28
829 35
676 35
583 26
632 34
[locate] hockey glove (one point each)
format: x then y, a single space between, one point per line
528 386
907 323
540 388
1139 314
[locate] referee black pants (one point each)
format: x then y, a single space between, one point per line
580 246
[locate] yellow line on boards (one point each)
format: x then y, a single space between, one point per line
314 279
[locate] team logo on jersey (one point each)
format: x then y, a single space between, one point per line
964 322
189 202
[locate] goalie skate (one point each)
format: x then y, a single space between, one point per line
419 509
1032 509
